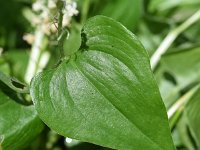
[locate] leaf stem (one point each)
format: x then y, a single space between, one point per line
173 120
61 36
35 54
60 18
169 39
42 62
85 9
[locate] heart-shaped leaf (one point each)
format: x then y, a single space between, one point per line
105 93
19 124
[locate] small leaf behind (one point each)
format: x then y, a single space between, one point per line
19 124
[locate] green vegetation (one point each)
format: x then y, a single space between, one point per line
99 75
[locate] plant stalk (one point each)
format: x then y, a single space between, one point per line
169 39
85 9
181 102
34 55
60 29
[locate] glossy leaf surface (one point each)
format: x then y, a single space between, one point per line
105 93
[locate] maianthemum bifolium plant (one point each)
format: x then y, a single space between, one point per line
105 89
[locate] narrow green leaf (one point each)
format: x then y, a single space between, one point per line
105 93
1 140
193 116
13 84
19 124
182 9
183 133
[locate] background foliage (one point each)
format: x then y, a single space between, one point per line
177 73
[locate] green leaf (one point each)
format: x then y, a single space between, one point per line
183 133
176 10
18 66
105 93
4 66
184 65
128 12
13 84
13 88
144 34
193 116
167 86
193 33
73 42
19 124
